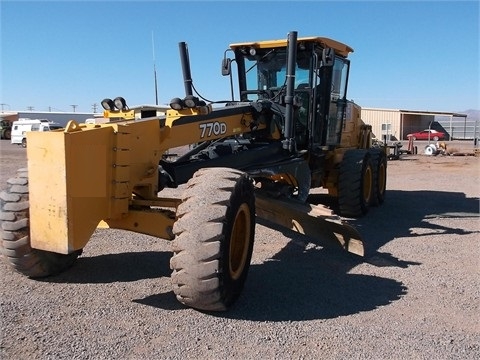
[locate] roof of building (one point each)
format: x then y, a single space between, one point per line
418 112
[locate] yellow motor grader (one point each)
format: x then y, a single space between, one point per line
289 129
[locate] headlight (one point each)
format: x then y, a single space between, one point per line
190 101
108 104
176 104
120 103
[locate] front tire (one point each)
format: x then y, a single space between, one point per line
15 243
214 239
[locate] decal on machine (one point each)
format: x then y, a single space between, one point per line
212 129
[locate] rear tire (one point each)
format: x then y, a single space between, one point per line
15 243
379 163
355 184
214 239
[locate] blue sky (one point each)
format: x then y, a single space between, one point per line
408 55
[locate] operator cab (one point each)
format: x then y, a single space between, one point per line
321 77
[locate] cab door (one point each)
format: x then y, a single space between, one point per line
338 102
330 103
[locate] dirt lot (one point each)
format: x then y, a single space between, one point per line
416 294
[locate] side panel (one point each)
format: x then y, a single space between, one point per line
86 174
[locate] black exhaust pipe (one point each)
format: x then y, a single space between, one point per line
187 77
289 142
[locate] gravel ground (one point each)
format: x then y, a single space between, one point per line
416 294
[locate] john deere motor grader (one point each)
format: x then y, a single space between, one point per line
291 129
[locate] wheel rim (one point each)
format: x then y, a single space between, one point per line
367 184
239 242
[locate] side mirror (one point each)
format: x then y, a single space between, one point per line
328 57
226 66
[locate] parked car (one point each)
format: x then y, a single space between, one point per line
424 135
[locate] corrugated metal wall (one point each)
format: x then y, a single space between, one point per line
459 127
384 122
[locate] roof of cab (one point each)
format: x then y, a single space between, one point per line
340 48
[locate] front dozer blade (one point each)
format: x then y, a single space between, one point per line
310 220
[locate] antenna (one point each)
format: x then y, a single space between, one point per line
154 71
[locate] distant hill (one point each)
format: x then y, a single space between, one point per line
472 114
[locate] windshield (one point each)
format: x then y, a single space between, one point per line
267 69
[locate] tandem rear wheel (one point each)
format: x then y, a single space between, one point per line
362 181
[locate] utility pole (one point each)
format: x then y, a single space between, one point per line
3 105
94 107
30 108
74 107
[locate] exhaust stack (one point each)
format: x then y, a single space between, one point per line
289 142
187 77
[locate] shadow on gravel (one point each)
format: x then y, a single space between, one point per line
299 284
123 267
302 283
409 213
166 301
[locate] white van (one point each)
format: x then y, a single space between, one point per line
21 126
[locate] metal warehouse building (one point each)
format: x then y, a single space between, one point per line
392 124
